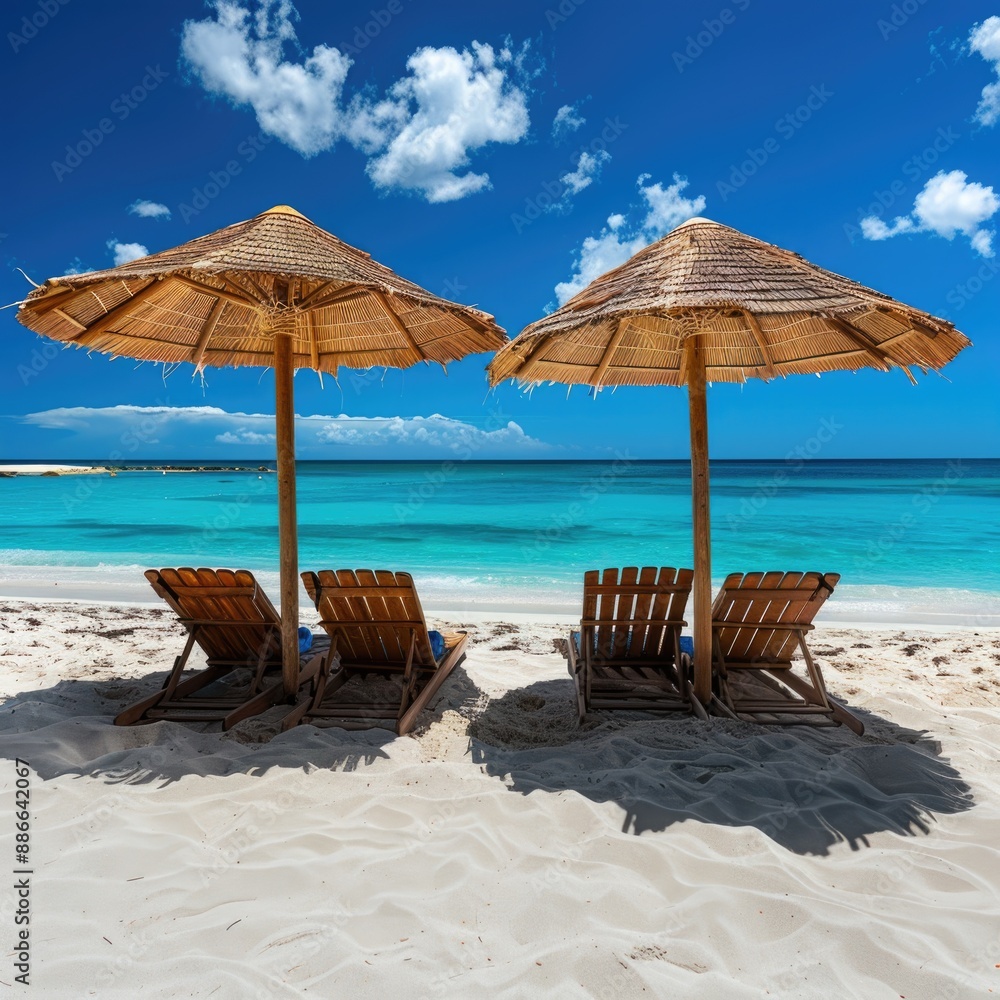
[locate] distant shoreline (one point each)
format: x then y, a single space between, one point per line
29 466
10 471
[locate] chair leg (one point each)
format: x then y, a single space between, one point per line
409 678
262 701
577 666
135 712
686 687
322 685
170 684
722 701
815 674
254 706
444 668
263 656
173 687
846 718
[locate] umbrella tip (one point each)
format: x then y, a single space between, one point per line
283 210
698 220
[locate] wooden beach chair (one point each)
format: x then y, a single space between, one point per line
759 623
377 630
627 653
235 624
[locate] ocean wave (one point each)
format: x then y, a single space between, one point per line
523 593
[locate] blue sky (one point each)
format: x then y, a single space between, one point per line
501 155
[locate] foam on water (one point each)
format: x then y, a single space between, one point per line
912 540
472 595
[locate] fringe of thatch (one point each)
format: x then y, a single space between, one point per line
760 311
220 299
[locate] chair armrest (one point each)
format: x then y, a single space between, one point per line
572 653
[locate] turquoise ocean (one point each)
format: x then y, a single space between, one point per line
914 541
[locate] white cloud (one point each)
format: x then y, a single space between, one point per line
985 39
76 266
665 209
241 56
82 418
435 432
947 205
418 137
125 252
242 436
452 102
598 254
982 242
149 209
567 120
182 427
873 228
588 167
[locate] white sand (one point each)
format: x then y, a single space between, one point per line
59 470
503 851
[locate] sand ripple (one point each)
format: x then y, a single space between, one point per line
503 851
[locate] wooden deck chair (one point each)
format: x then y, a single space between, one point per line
627 653
376 627
759 622
235 624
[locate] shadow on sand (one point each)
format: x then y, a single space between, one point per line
67 729
805 788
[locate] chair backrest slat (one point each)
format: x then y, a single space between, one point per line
375 614
244 621
634 616
746 603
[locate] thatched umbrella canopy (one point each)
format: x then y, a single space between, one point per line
277 291
710 304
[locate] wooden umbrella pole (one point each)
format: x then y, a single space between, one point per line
698 415
287 527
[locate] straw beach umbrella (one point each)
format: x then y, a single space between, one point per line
709 304
273 291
